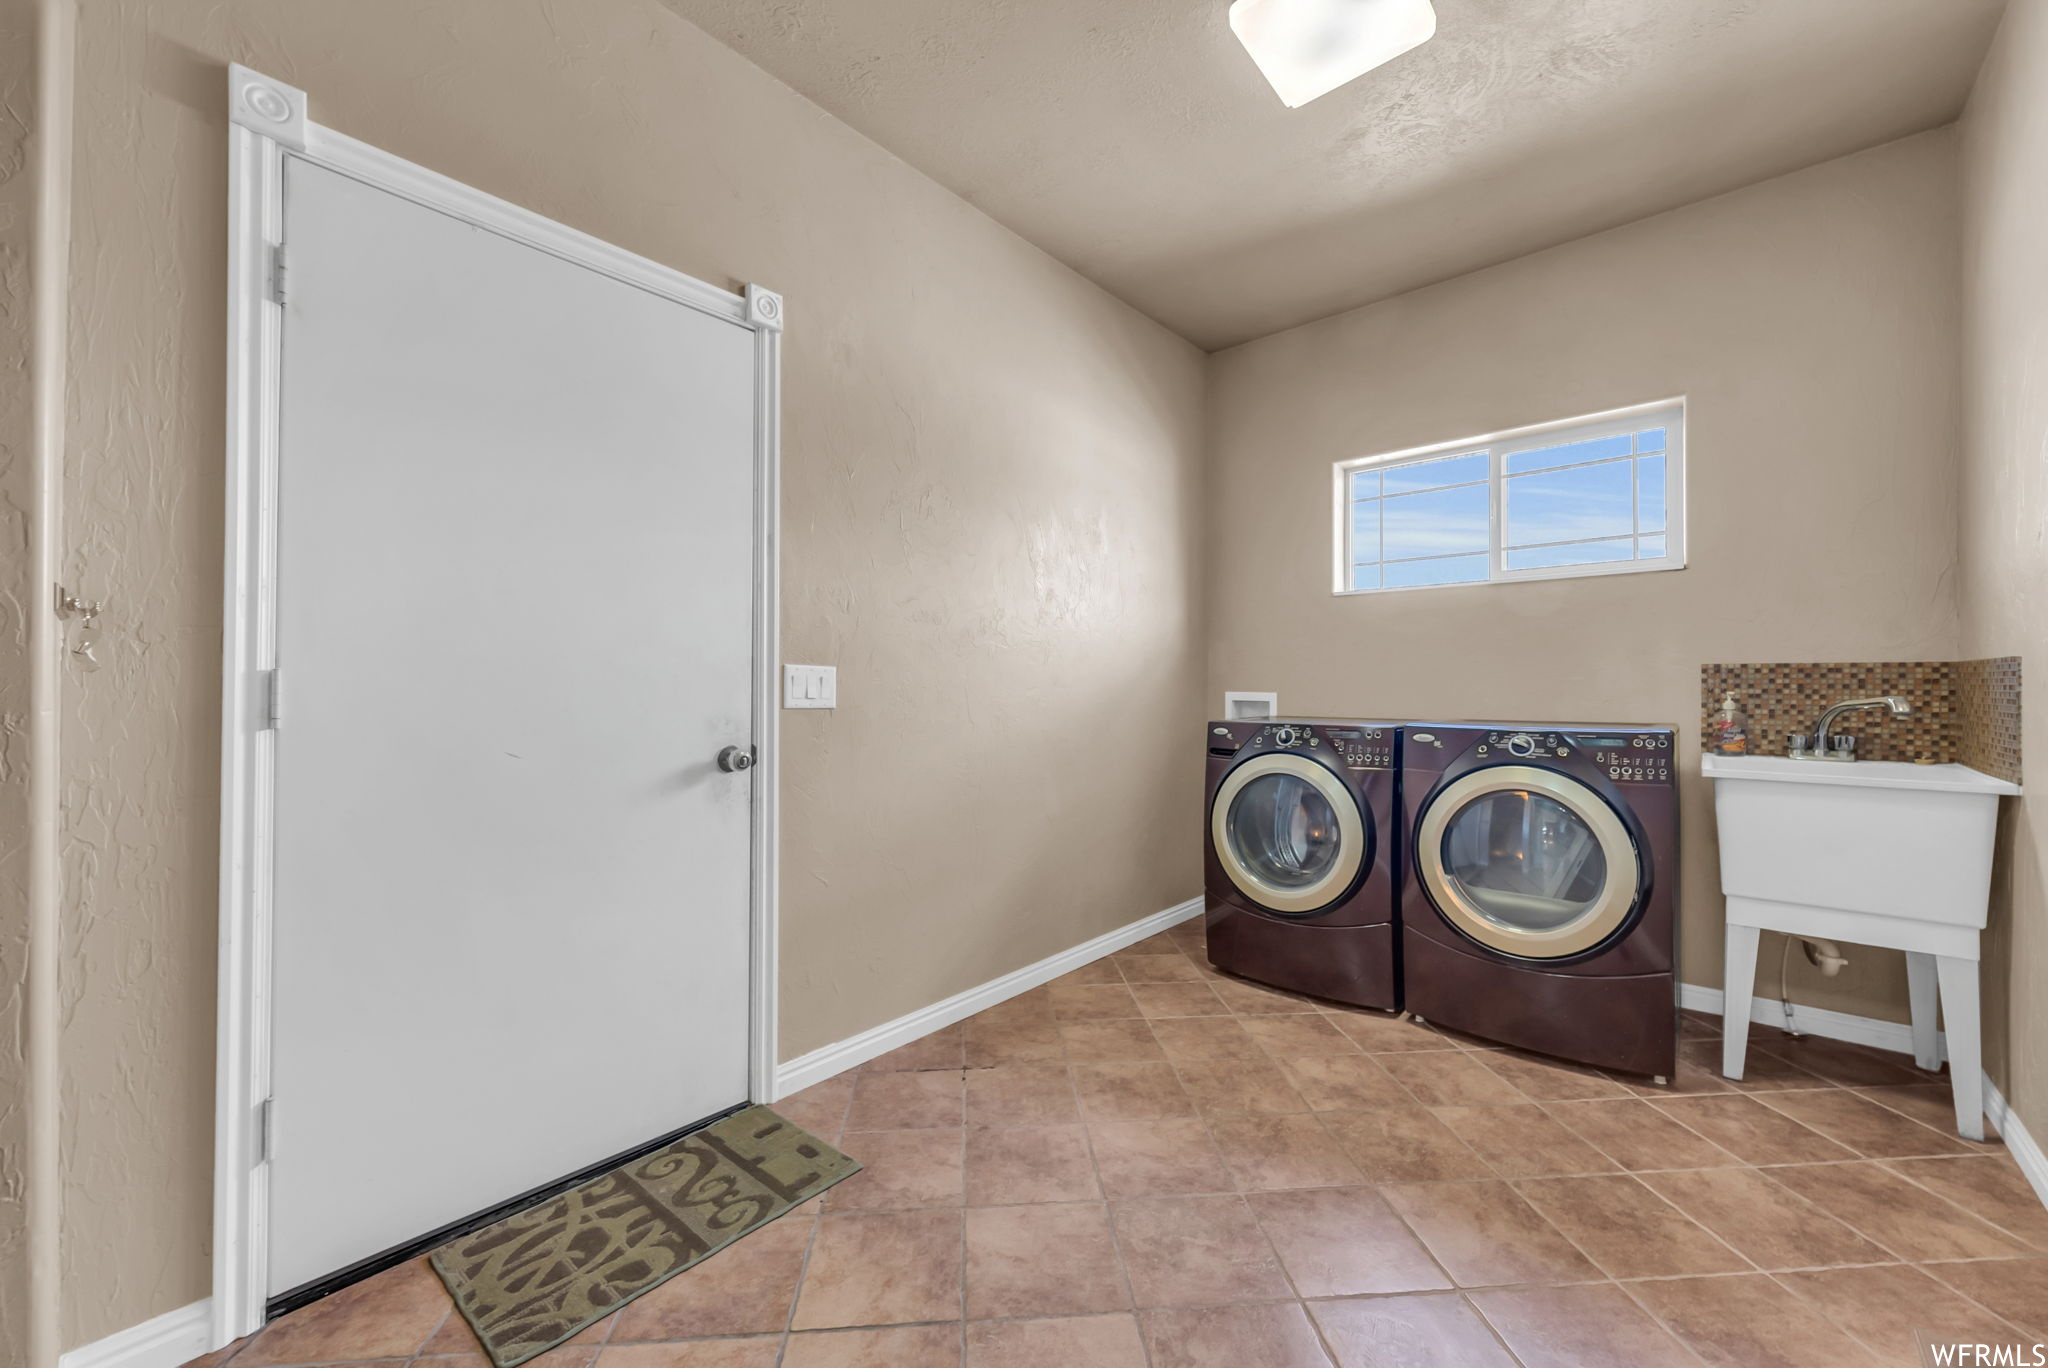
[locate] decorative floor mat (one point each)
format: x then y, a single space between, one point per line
531 1281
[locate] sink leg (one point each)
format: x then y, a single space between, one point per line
1920 985
1738 989
1965 1051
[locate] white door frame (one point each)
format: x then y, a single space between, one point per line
267 123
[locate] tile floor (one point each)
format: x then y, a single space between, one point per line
1147 1163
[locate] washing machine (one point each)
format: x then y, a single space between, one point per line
1302 856
1541 902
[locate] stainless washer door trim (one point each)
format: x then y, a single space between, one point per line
1350 834
1617 899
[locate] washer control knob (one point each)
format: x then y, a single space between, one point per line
1521 744
1284 736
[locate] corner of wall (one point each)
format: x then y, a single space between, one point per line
2002 499
17 585
35 202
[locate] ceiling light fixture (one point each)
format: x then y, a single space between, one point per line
1307 48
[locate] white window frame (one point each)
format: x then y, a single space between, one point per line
1499 446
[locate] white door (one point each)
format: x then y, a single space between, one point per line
514 631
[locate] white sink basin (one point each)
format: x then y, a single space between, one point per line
1871 836
1776 769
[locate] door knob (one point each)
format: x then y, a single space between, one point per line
733 759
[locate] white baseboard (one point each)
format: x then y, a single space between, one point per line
1897 1037
174 1338
793 1075
2019 1142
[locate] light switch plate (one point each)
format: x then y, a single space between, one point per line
810 686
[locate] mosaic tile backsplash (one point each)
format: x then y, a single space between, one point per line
1963 711
1987 717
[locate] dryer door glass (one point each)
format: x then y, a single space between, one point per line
1289 834
1527 861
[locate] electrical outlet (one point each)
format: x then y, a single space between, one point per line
810 686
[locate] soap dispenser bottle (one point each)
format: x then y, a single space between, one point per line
1731 729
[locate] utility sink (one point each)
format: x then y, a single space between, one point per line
1872 836
1871 852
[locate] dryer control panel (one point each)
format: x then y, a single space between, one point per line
1626 757
1363 748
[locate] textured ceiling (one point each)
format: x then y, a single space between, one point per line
1134 140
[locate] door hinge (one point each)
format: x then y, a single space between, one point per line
277 276
266 1130
273 699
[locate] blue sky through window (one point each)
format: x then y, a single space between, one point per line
1587 500
1426 522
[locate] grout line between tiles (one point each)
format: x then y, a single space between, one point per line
1682 1341
1950 1154
1272 1250
964 1272
1950 1201
1928 1269
1849 1329
1687 1216
439 1325
803 1270
1116 1244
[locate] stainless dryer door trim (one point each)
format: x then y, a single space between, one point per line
1350 834
1599 921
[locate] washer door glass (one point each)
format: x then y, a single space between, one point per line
1288 833
1284 830
1527 861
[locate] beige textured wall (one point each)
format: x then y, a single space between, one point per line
17 217
1811 321
2004 501
991 506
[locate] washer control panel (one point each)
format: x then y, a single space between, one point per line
1640 759
1358 748
1523 745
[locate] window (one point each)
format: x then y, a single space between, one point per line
1588 496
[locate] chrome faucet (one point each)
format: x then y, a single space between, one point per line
1821 746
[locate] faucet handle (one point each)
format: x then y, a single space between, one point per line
1798 745
1842 747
